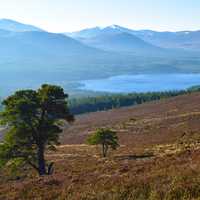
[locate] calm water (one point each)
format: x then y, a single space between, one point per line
142 83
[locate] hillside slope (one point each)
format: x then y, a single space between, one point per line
181 40
122 42
11 25
42 46
164 120
159 157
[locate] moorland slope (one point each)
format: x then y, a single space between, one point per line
159 157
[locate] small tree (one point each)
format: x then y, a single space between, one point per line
33 124
105 137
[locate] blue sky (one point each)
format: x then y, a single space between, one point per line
71 15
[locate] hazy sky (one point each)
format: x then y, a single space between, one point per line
71 15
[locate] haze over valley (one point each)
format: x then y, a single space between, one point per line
30 55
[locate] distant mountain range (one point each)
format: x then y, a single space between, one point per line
26 41
34 45
29 54
121 42
116 39
187 40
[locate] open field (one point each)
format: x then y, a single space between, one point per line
159 157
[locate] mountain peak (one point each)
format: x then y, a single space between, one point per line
114 26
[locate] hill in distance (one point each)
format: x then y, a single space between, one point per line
121 42
188 40
96 31
43 44
28 54
11 25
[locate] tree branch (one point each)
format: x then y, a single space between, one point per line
33 165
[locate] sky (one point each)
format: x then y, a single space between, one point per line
73 15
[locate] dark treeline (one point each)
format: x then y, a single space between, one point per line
109 101
106 102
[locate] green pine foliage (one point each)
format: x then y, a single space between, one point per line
32 118
105 137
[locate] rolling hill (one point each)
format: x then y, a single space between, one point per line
158 157
34 45
122 43
187 40
96 31
165 120
11 25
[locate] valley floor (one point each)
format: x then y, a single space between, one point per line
159 157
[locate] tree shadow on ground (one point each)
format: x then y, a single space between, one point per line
134 157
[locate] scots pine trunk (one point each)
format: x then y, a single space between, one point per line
41 160
104 150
